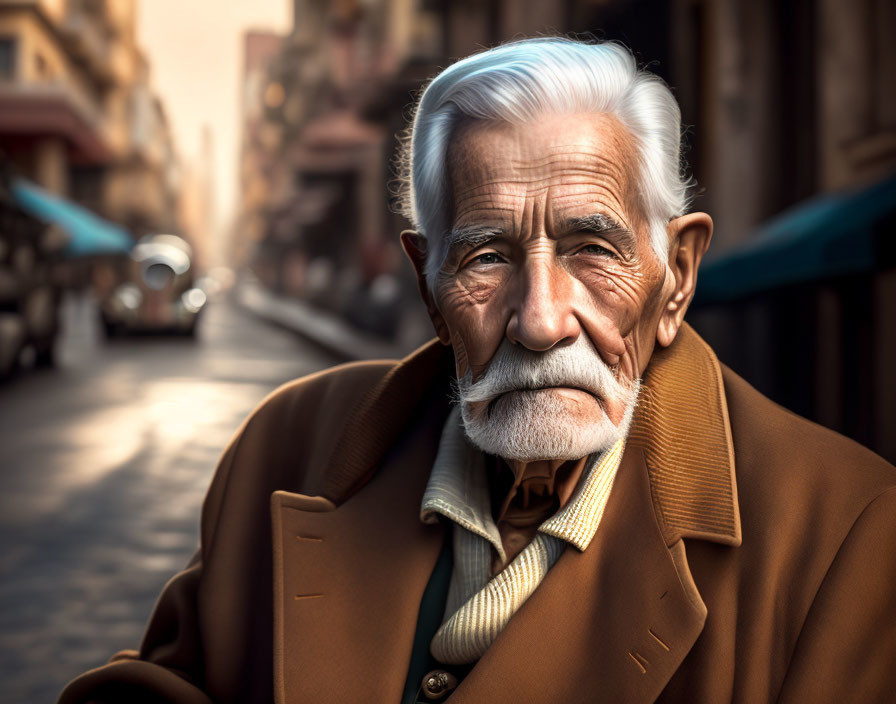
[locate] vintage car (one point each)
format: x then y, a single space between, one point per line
157 293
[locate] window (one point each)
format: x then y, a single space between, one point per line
8 58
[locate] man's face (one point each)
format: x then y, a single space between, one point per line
549 250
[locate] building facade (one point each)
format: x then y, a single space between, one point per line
77 111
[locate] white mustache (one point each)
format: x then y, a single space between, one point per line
516 368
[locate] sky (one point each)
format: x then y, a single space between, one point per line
195 51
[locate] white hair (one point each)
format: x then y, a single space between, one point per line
509 412
522 80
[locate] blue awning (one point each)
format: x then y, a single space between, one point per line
88 233
825 237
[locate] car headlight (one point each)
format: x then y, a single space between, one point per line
129 296
193 300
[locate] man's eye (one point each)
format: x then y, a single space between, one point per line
597 249
486 258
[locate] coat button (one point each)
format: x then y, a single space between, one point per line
437 684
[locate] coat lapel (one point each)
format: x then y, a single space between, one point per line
348 579
611 624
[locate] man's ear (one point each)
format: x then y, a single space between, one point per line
689 238
414 245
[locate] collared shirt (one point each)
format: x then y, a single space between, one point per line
479 605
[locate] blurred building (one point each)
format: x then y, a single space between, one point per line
316 152
77 112
257 158
788 99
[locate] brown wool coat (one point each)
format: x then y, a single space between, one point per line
745 555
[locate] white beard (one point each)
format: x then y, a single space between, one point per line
504 416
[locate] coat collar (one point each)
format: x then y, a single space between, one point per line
382 415
681 425
683 428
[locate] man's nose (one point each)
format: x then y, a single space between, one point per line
543 312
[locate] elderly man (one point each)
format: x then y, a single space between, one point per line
606 514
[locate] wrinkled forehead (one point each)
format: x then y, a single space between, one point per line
581 159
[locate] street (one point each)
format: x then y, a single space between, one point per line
104 462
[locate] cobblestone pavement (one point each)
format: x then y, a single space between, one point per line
104 462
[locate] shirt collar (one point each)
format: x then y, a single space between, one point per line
458 490
457 487
577 522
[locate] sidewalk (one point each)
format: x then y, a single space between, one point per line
323 328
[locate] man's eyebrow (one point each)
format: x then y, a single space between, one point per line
601 224
471 236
